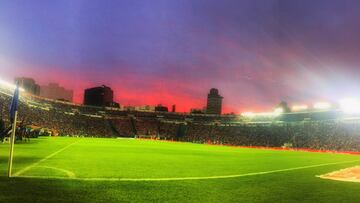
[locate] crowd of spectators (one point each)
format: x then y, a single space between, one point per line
56 118
339 135
66 119
122 126
146 126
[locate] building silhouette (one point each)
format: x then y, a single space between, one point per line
161 108
56 92
214 102
99 96
29 85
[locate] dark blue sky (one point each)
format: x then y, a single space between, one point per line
257 52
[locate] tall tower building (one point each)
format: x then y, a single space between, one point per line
214 102
99 96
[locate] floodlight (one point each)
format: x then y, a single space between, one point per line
322 105
300 107
278 111
248 114
9 86
350 105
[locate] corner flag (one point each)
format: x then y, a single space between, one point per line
13 115
14 104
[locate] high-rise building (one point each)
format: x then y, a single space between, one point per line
161 108
214 102
99 96
29 85
54 91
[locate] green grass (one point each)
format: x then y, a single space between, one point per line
69 175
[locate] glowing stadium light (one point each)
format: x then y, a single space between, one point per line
9 86
300 107
248 114
278 111
275 113
322 105
350 105
267 114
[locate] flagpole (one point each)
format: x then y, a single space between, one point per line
12 141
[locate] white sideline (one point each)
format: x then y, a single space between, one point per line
42 160
190 178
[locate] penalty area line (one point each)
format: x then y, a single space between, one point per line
18 173
189 178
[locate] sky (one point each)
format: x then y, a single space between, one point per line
256 52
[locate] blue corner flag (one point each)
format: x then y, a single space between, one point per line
14 104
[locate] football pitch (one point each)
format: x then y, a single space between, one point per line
128 170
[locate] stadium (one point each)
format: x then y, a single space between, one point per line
180 101
90 153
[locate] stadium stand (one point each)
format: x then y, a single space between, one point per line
39 116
